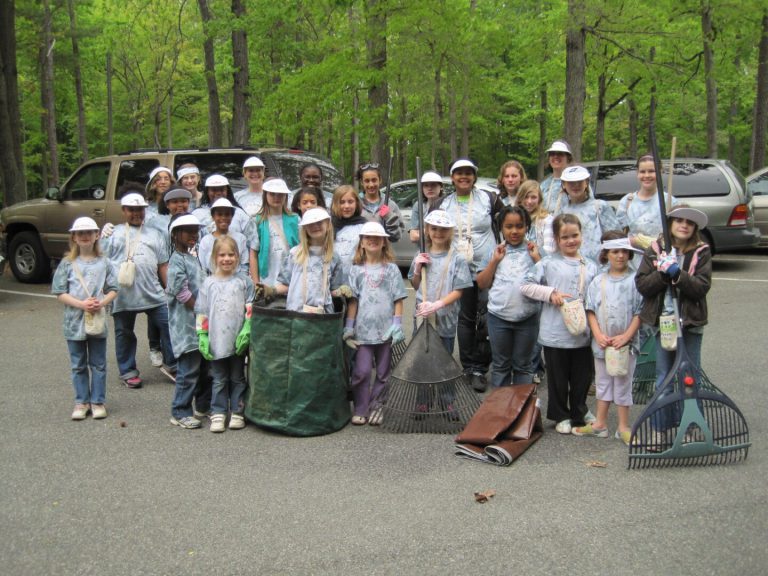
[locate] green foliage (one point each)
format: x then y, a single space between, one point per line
447 61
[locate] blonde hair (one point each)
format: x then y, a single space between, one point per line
387 255
428 239
74 249
302 250
225 241
526 188
339 193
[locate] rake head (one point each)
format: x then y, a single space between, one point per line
689 422
427 390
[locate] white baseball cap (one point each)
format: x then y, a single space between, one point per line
253 162
373 229
691 214
463 163
84 224
174 193
430 176
439 218
575 174
276 186
185 220
216 180
133 199
314 215
619 244
186 171
560 146
157 171
222 203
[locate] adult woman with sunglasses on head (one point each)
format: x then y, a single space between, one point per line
559 157
374 208
474 212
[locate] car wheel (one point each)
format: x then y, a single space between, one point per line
707 237
29 263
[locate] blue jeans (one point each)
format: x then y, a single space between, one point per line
191 382
512 346
84 354
125 338
228 385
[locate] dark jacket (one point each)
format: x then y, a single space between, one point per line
693 283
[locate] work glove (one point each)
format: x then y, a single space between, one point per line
426 309
667 264
642 241
422 259
243 340
384 210
266 292
342 290
349 334
395 331
107 230
201 325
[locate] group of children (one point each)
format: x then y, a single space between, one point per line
543 290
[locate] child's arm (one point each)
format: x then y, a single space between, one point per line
485 278
162 274
602 340
623 339
697 286
419 261
351 308
253 265
70 300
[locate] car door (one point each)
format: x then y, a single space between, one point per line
84 194
758 186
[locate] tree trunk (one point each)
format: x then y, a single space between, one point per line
378 91
733 114
575 76
110 128
12 183
355 136
241 111
47 99
633 122
81 134
760 123
451 125
710 81
542 133
601 114
214 107
464 125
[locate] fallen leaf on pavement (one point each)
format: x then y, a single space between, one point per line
483 497
597 464
123 424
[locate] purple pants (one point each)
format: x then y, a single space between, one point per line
367 355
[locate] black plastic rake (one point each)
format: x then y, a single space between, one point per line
689 421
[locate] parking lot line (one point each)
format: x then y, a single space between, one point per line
28 294
761 260
739 279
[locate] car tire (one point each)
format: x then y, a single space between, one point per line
29 263
707 237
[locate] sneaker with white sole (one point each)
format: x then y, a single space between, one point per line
156 358
98 411
80 411
589 417
218 422
236 422
201 415
563 427
188 422
589 430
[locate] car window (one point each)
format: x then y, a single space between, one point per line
136 170
690 179
759 186
89 183
404 194
226 164
290 163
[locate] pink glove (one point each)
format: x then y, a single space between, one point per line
420 260
428 308
383 210
665 261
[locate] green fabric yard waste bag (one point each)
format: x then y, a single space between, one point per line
297 375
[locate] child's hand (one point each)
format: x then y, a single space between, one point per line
602 340
498 253
422 259
620 341
533 251
91 304
559 298
266 292
107 230
428 308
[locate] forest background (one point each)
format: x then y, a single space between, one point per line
358 80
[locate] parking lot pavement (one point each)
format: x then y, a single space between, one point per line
134 495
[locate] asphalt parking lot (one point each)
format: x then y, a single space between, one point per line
134 495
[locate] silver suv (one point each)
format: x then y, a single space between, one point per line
36 231
713 186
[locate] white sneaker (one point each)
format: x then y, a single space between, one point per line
564 427
217 422
80 411
98 411
188 422
236 422
156 358
589 417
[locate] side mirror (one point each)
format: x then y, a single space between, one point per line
53 194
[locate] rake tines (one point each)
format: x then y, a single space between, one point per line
689 424
427 390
